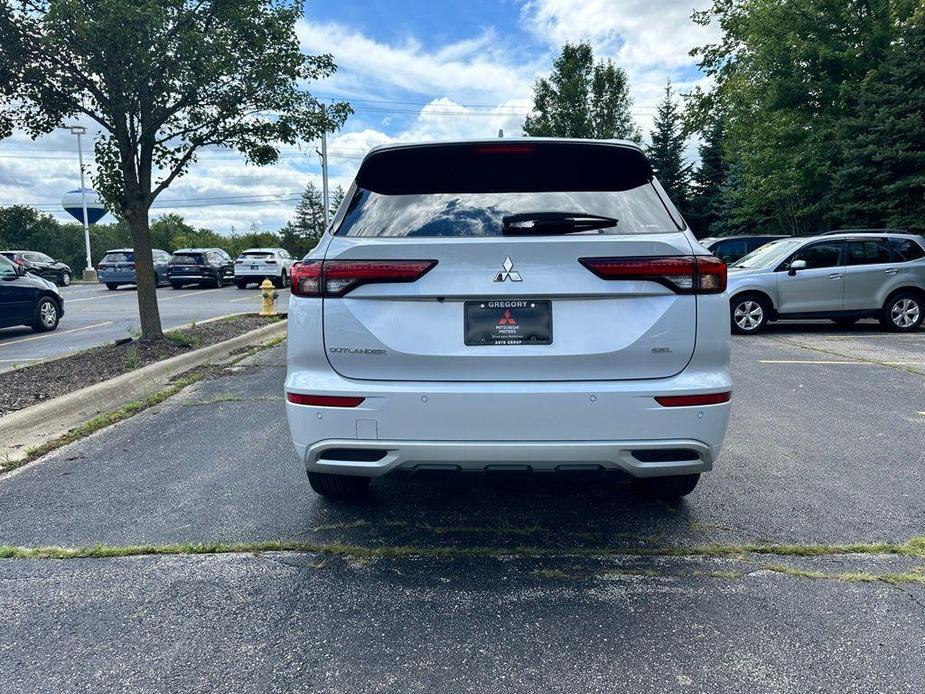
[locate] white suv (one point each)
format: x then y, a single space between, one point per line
257 264
534 305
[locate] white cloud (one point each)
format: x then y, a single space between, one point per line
478 67
638 34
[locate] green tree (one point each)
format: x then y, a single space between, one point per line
162 79
666 151
581 98
704 208
786 75
880 180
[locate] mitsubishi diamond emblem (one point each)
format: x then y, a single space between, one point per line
508 272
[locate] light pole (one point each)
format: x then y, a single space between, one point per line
79 130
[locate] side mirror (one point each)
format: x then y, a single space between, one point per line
796 265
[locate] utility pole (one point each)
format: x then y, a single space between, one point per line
324 168
79 130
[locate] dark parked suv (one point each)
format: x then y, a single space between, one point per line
207 267
42 265
26 299
730 248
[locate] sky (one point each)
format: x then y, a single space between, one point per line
412 70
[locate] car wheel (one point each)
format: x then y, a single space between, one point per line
176 285
902 312
284 280
65 279
46 315
241 285
338 486
749 314
111 286
845 322
217 282
671 487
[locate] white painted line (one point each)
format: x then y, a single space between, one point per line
922 413
55 332
16 361
820 361
107 295
255 298
183 296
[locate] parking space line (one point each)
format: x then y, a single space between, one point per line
185 295
107 295
253 298
55 332
824 361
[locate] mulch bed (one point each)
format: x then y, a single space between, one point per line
31 385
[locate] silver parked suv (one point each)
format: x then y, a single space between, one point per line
534 305
841 276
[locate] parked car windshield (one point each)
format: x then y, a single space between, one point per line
767 254
118 258
637 211
256 254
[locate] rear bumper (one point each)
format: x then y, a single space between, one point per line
636 458
249 274
480 425
105 277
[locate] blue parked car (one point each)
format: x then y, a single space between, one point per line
118 267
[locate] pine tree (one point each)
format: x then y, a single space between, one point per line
708 180
309 213
666 151
582 99
881 179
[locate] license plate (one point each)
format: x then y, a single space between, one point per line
508 322
253 267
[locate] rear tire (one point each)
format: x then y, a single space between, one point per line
241 285
111 286
338 486
749 313
46 315
217 282
902 312
671 487
176 285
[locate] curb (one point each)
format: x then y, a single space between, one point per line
46 421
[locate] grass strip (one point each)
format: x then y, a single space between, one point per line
914 547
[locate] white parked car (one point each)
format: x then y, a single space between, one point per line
534 305
257 264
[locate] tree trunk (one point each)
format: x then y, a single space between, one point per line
148 311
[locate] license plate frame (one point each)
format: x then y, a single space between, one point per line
507 322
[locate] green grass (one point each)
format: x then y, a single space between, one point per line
181 339
913 547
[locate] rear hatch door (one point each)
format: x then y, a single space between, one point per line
503 305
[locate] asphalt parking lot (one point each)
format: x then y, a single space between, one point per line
93 315
485 585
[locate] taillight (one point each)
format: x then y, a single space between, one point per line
239 262
693 400
683 274
270 262
131 266
324 400
333 278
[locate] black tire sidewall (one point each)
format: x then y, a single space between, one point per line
741 298
37 323
886 319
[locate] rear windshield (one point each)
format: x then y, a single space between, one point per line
465 190
637 211
118 258
256 254
187 259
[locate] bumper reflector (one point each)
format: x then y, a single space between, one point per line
693 400
323 400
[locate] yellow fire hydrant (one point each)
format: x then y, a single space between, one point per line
269 294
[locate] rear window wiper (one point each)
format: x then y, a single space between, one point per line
553 223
